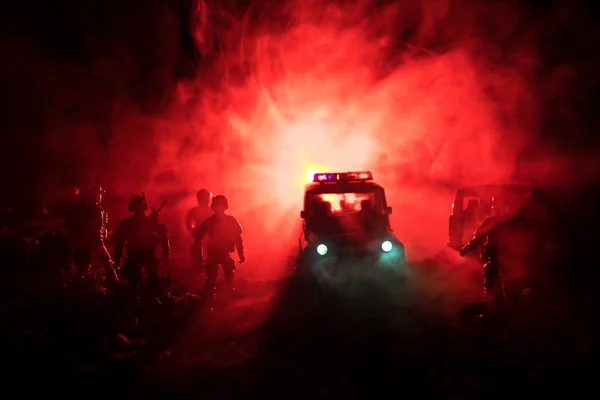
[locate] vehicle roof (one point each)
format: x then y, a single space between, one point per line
494 188
341 187
523 188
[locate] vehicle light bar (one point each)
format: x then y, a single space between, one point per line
343 176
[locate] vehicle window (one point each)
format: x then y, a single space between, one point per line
470 202
347 203
481 200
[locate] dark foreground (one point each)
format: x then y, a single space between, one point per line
416 336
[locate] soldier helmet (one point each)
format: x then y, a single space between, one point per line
219 201
203 196
96 189
93 193
137 203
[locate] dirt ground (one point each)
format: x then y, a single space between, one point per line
417 333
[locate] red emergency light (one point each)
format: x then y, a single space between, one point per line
343 176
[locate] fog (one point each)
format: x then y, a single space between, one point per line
430 96
247 98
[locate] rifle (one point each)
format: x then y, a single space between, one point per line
154 215
155 212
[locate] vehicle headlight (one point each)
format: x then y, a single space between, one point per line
322 249
386 246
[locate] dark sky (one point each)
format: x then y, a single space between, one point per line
70 60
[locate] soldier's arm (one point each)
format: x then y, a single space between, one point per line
472 244
199 233
478 236
98 222
102 250
239 243
104 224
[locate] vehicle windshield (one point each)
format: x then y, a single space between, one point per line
347 203
346 213
477 202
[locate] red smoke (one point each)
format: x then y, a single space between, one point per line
321 86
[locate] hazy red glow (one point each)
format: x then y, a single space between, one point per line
335 92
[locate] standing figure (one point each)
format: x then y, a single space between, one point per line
490 234
196 216
224 235
67 208
471 217
140 235
86 224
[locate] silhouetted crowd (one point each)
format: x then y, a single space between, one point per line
73 239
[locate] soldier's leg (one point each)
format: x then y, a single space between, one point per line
153 272
500 292
229 270
103 255
211 270
195 252
131 271
110 273
492 287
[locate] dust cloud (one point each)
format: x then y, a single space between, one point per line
334 87
246 98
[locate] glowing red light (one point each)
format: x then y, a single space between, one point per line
342 176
